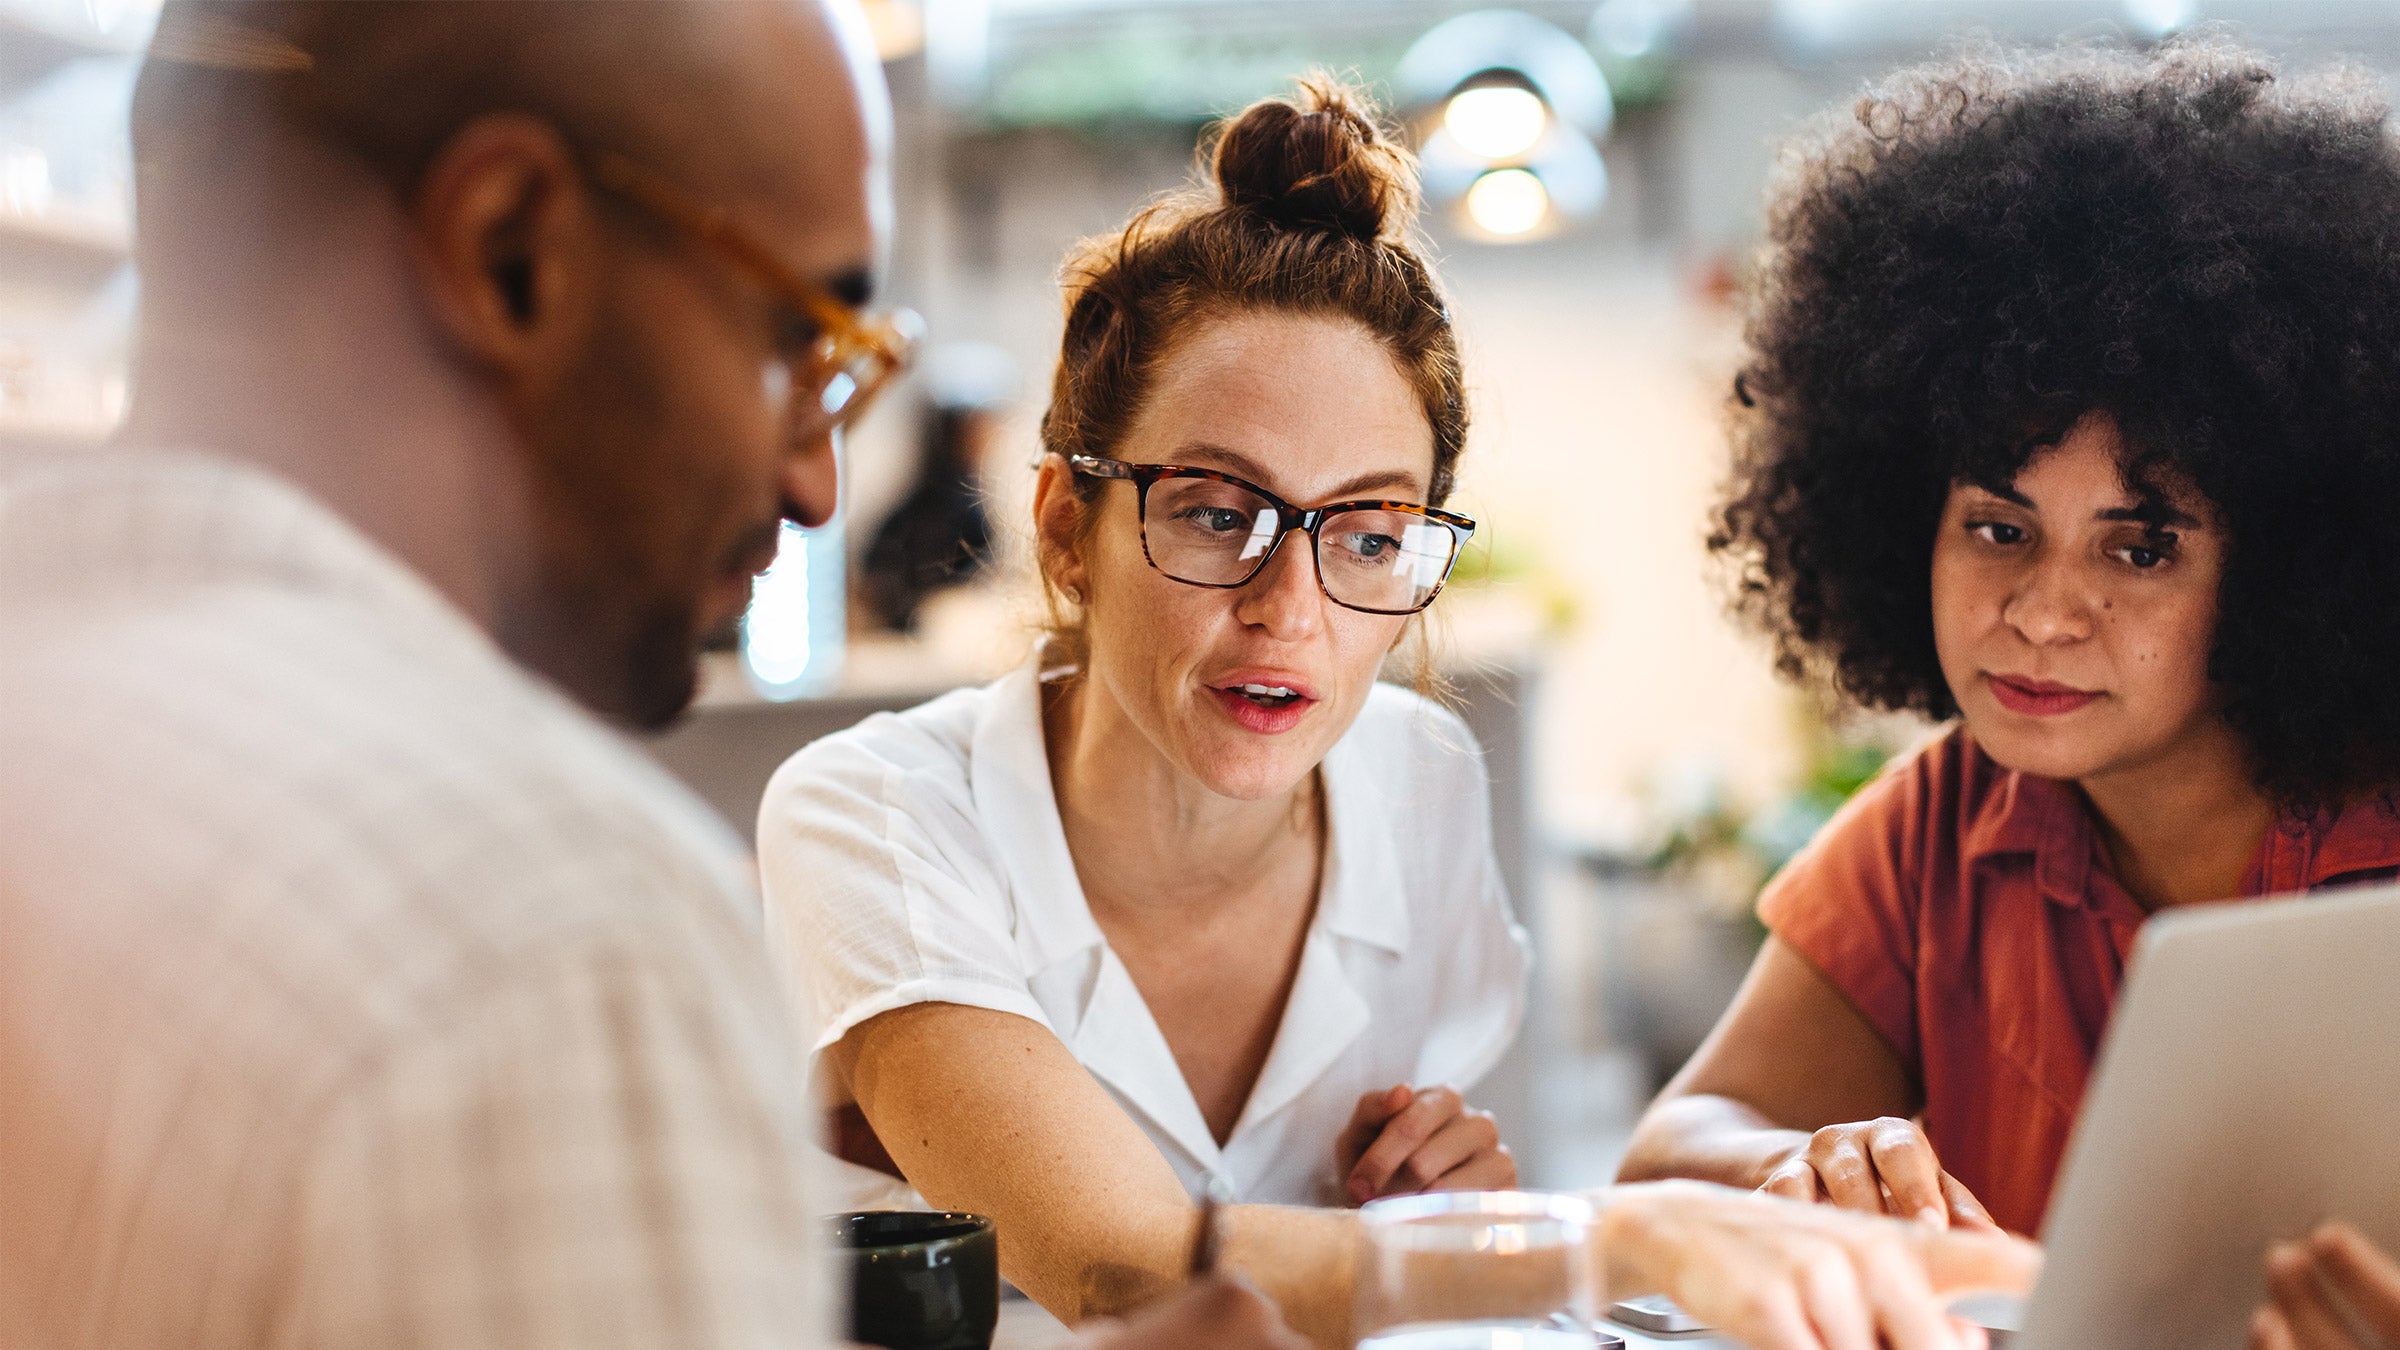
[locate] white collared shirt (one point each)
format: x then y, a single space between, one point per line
356 989
919 858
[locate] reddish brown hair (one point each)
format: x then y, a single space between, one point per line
1306 206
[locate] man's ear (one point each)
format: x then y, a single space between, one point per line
1058 527
507 245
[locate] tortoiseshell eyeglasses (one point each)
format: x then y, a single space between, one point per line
852 357
1207 528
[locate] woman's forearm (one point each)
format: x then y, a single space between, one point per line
1708 1138
1304 1259
1092 1219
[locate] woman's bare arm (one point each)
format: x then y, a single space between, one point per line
1797 1092
988 1112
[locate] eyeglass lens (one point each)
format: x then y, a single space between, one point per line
1216 534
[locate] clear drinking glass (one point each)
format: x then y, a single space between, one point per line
1476 1270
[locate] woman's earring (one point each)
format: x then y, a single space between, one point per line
1074 594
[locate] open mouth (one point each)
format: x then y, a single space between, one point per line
1267 695
1261 701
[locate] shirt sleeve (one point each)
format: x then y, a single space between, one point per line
601 1150
1848 902
881 893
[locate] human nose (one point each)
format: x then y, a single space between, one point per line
1284 597
2049 604
812 476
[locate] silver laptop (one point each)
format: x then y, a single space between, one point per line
2248 1087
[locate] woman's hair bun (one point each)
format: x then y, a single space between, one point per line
1317 161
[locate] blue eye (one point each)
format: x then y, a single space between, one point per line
1219 519
1369 547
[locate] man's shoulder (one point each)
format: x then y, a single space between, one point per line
288 784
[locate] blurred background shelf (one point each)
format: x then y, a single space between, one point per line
39 436
61 249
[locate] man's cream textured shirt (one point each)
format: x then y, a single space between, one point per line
355 988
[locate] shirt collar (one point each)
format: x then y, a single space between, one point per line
1010 778
144 521
1114 1036
2362 840
1362 896
2042 818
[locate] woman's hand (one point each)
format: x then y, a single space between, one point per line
1217 1313
1779 1276
1404 1139
2332 1291
1882 1166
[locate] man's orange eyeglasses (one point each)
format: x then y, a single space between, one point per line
853 356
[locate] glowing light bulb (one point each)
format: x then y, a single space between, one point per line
1508 201
2161 17
1496 121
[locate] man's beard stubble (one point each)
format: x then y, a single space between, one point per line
611 637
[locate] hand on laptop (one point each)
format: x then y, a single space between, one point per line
2333 1290
1883 1166
1214 1313
1406 1139
1780 1276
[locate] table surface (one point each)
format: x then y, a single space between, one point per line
1024 1326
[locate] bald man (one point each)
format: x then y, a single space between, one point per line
357 986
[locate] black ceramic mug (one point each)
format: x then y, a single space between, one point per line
920 1281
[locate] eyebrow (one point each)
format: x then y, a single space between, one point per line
1385 480
2152 510
2156 512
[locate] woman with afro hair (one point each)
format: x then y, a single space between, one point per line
2071 412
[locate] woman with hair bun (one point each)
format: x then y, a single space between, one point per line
1193 881
2068 415
1192 903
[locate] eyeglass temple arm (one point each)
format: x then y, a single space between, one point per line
620 174
1098 467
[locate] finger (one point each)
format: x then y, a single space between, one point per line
1844 1170
1966 1261
1837 1307
1965 1210
1495 1170
1401 1136
1462 1137
1770 1320
1903 1158
1793 1181
1970 1335
2364 1277
1366 1121
2292 1281
1907 1311
2268 1330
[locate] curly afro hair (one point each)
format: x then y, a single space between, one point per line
1993 247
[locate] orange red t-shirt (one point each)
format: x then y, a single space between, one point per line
1969 913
